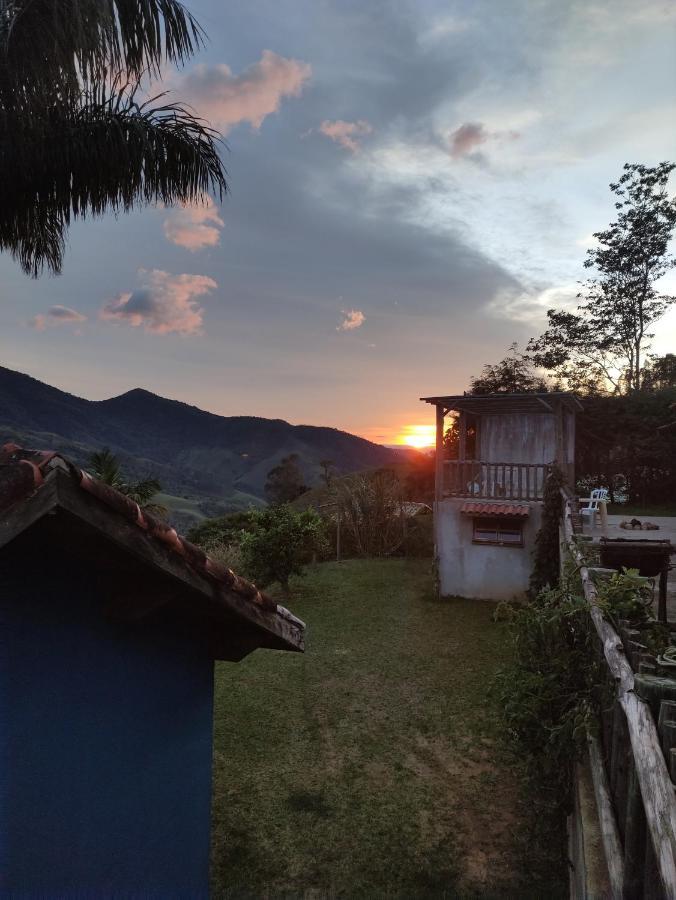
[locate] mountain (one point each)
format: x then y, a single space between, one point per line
217 462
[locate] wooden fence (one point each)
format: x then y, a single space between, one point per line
494 480
632 785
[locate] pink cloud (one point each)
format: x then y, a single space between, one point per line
345 133
354 318
194 227
164 304
57 315
465 139
226 99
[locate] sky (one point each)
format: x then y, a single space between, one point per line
412 185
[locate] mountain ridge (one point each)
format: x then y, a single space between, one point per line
192 451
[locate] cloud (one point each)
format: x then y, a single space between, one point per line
466 138
57 315
345 133
227 100
165 303
194 226
354 318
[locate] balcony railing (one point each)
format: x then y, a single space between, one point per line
493 480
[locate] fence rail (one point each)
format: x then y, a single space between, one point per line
494 480
634 793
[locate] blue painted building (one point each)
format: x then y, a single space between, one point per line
109 627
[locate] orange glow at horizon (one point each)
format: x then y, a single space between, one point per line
418 436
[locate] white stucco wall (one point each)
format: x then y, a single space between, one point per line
482 571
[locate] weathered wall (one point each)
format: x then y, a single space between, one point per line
484 571
518 437
105 740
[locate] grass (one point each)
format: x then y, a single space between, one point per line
372 765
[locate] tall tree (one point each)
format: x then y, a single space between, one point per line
514 374
603 345
75 140
285 482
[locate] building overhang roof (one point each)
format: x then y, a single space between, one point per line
504 404
495 510
36 484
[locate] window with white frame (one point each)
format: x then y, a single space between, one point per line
500 530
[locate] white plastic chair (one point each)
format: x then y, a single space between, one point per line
594 503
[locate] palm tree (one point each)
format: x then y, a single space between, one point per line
75 140
105 466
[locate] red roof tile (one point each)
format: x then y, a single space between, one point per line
476 508
23 472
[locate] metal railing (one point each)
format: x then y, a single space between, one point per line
493 480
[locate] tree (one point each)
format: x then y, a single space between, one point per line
513 374
285 482
660 373
278 542
75 139
371 508
603 344
106 467
327 475
221 530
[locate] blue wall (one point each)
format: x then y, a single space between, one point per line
105 739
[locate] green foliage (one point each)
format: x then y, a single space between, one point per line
106 467
548 694
285 481
279 542
222 530
514 374
546 559
371 511
621 444
602 345
70 81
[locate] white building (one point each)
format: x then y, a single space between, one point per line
488 501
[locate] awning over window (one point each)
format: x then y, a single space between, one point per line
511 510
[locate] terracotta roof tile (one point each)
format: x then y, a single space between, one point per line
23 471
477 508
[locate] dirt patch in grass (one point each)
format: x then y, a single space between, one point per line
372 766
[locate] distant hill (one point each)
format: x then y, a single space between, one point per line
220 462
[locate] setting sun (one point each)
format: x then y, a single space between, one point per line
419 436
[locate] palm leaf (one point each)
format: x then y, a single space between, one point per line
111 154
73 139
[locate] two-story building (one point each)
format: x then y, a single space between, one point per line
488 498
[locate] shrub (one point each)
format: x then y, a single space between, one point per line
222 530
279 542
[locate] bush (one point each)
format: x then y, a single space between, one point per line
222 530
279 542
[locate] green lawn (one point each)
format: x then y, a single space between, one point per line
371 766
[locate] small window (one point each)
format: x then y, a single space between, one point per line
499 530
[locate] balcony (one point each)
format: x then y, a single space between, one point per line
493 480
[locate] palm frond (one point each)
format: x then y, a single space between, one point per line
110 154
55 44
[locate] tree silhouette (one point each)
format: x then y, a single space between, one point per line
75 139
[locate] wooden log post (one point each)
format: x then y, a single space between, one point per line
609 833
653 776
634 841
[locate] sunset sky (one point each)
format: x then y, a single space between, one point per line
412 185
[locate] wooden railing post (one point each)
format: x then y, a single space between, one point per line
652 774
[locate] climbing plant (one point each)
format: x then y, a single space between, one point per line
546 560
